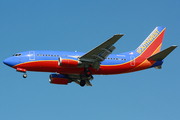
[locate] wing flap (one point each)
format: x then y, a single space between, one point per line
106 52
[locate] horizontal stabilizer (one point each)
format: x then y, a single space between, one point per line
162 54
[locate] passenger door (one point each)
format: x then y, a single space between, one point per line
31 55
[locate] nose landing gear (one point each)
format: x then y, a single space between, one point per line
22 70
24 75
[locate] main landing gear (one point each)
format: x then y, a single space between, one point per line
82 83
86 81
87 72
86 77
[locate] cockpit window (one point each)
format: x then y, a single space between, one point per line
17 55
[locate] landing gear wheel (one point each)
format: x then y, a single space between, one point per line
25 75
87 73
82 83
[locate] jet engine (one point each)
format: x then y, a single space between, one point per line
58 79
68 62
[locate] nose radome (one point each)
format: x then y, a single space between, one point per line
9 62
5 61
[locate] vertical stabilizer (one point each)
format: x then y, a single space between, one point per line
152 44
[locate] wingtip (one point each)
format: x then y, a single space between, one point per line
119 34
175 46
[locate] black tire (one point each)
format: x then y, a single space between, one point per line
82 83
25 75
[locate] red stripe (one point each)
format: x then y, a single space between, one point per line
52 66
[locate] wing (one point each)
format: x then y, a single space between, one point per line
99 53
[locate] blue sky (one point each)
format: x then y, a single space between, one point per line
82 25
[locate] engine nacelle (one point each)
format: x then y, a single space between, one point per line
58 79
68 62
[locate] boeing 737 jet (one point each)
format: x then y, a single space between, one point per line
80 67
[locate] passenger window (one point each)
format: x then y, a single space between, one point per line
49 55
37 54
54 55
57 55
46 55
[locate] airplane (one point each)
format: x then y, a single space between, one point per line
79 67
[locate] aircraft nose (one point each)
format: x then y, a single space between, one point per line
8 62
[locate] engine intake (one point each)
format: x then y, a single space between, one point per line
58 79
